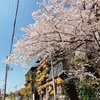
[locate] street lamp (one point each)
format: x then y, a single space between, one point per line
6 73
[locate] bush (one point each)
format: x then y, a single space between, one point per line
83 92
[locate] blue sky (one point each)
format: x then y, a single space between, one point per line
7 14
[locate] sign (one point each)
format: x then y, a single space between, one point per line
57 69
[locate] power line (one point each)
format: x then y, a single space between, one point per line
14 26
12 9
16 86
9 16
20 84
23 11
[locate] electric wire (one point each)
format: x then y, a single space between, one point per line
8 15
14 29
17 85
23 12
14 26
12 9
22 81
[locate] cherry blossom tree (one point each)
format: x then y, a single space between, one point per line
70 24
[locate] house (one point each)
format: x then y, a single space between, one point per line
43 80
39 79
30 81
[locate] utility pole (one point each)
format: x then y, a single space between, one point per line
6 73
15 89
7 67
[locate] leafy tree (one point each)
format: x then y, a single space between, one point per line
73 25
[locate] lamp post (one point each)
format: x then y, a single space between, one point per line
6 73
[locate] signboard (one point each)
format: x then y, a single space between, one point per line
57 69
